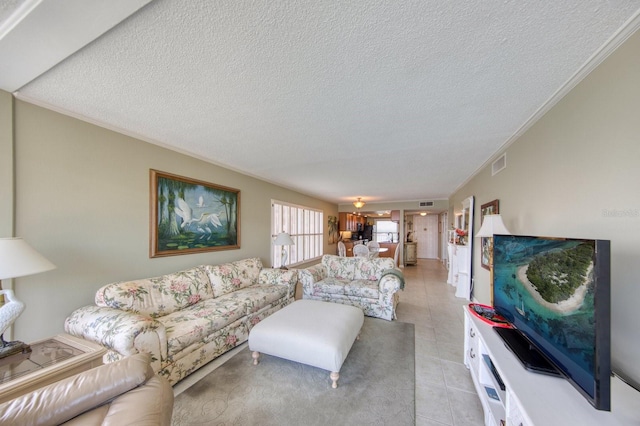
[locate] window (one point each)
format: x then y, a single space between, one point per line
386 230
304 224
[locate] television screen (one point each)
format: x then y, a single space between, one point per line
556 292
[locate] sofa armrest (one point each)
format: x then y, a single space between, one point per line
273 276
148 404
389 284
309 276
63 400
156 396
123 332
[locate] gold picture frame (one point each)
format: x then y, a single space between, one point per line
191 216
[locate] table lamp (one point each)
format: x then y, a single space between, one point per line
283 239
17 259
491 224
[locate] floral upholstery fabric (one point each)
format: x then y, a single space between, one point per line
120 331
269 276
330 285
157 296
371 269
360 288
193 321
257 297
370 287
230 277
186 362
342 268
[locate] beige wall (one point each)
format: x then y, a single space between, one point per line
565 175
82 200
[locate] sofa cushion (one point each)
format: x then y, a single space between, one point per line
342 268
367 289
257 297
229 277
157 296
196 323
371 269
330 285
360 288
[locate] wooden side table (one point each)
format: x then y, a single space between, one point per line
50 360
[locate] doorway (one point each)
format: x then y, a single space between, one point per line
426 234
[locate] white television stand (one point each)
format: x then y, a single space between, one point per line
531 399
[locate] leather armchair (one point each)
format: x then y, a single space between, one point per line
124 392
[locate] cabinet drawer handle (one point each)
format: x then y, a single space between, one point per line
472 333
471 354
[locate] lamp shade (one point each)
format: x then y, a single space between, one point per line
492 224
283 239
359 204
17 259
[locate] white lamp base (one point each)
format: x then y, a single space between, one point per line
12 348
283 259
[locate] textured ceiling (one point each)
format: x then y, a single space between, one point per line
384 100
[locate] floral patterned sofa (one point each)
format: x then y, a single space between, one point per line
184 319
370 284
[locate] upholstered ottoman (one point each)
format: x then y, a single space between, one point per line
315 333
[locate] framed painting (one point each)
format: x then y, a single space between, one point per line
332 226
492 207
191 216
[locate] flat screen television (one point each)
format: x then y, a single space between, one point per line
556 293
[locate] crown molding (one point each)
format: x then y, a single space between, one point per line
611 45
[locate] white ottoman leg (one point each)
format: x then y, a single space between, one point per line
255 356
334 376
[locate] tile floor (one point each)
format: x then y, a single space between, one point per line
444 391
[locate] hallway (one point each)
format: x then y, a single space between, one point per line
444 391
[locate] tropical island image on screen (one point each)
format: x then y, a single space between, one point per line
545 288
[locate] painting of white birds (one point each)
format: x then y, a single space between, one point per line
192 216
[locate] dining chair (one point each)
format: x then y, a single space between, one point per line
373 247
342 249
360 250
396 255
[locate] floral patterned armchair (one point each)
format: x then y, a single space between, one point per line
370 284
185 319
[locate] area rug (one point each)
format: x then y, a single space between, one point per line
376 387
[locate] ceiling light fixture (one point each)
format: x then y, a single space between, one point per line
359 204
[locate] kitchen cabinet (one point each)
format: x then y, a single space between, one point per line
344 222
395 215
349 222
